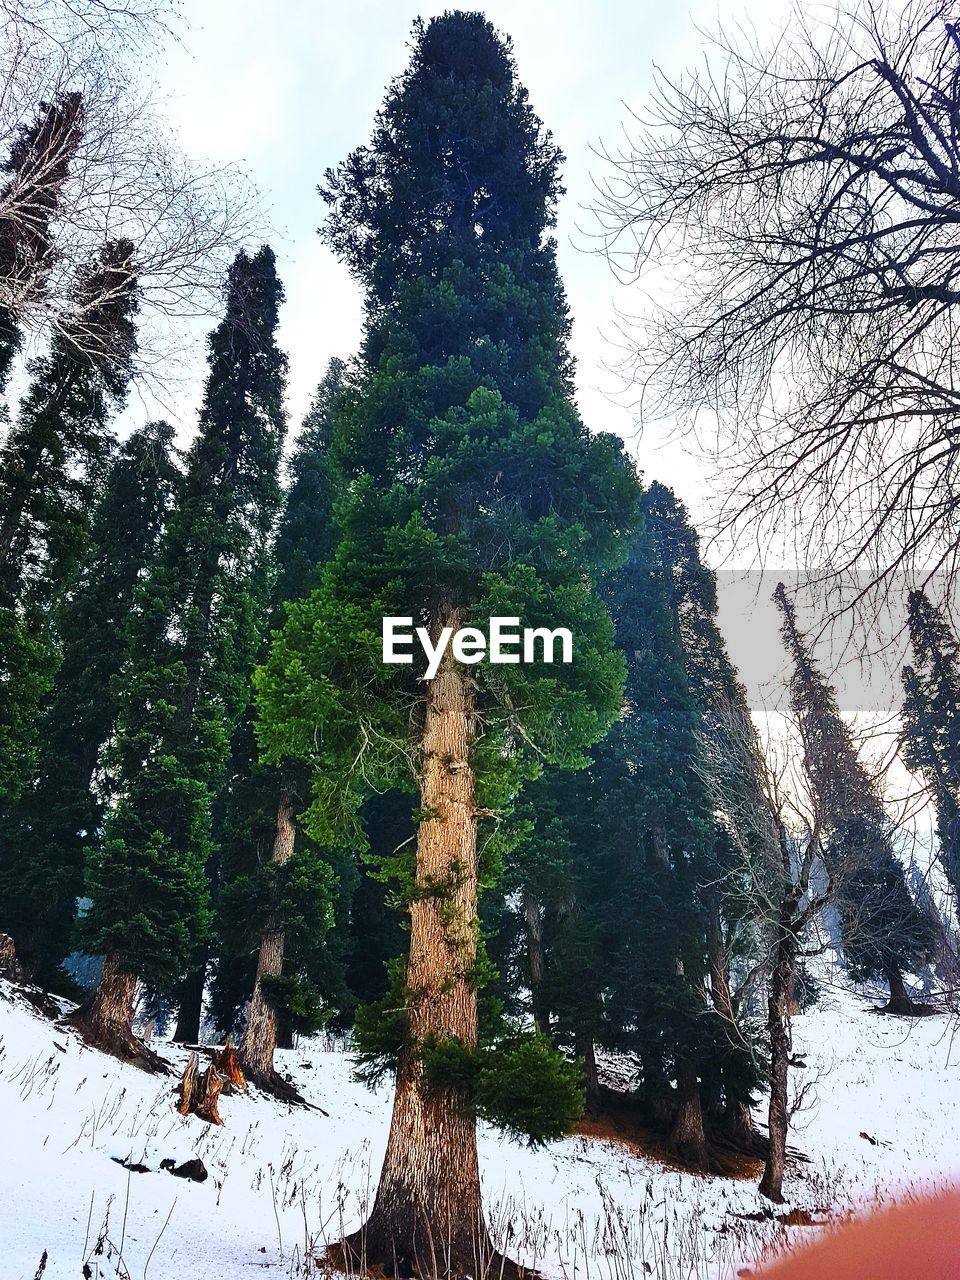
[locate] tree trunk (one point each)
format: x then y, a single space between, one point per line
190 1005
899 1001
427 1217
105 1020
737 1119
687 1138
778 1027
259 1040
591 1078
533 922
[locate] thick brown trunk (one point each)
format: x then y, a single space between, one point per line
106 1019
259 1040
427 1217
687 1138
533 923
778 1026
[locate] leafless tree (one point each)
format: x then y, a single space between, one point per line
772 826
797 210
104 166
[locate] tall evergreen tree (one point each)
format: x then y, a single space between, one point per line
472 490
51 467
724 890
558 874
43 873
884 935
655 826
931 723
272 875
195 630
36 169
640 817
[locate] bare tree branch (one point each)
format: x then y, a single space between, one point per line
799 209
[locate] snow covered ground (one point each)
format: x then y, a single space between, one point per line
882 1116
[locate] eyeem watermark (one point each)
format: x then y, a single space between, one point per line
506 643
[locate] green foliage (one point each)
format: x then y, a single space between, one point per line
36 167
62 810
298 1004
623 861
469 488
471 484
931 723
884 934
520 1083
529 1089
195 630
52 465
252 895
380 1029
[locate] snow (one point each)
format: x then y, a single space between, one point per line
284 1181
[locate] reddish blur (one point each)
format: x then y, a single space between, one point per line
917 1241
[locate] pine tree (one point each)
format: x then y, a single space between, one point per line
655 828
639 817
726 890
558 872
51 468
931 723
36 169
43 875
272 874
195 629
472 491
884 935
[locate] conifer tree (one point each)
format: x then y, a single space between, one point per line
655 828
884 935
272 875
62 810
931 723
472 491
594 833
558 871
51 467
195 630
36 169
726 889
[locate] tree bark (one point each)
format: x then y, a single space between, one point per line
533 923
778 1027
899 1001
687 1138
427 1218
737 1119
105 1020
259 1041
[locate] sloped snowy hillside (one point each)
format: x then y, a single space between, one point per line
882 1115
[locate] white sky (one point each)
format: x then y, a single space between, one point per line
289 89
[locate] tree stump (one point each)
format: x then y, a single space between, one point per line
200 1092
9 964
188 1084
228 1064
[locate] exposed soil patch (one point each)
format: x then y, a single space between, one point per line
620 1120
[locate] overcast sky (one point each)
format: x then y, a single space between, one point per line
289 89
